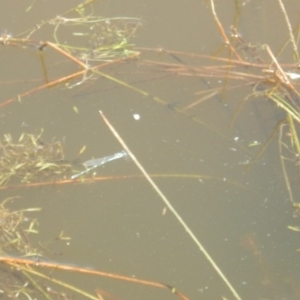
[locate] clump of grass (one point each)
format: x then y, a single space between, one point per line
15 228
30 159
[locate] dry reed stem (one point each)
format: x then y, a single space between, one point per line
170 207
292 38
68 55
60 80
108 178
282 74
27 262
226 40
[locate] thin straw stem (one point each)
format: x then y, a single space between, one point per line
288 23
225 38
282 161
171 208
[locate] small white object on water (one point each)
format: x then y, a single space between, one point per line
254 143
293 76
136 117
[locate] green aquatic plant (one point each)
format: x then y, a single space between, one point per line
31 159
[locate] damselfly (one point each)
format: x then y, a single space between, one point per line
95 163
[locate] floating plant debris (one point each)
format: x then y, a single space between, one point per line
31 159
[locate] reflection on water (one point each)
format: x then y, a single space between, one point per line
97 162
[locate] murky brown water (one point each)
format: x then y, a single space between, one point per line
120 225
